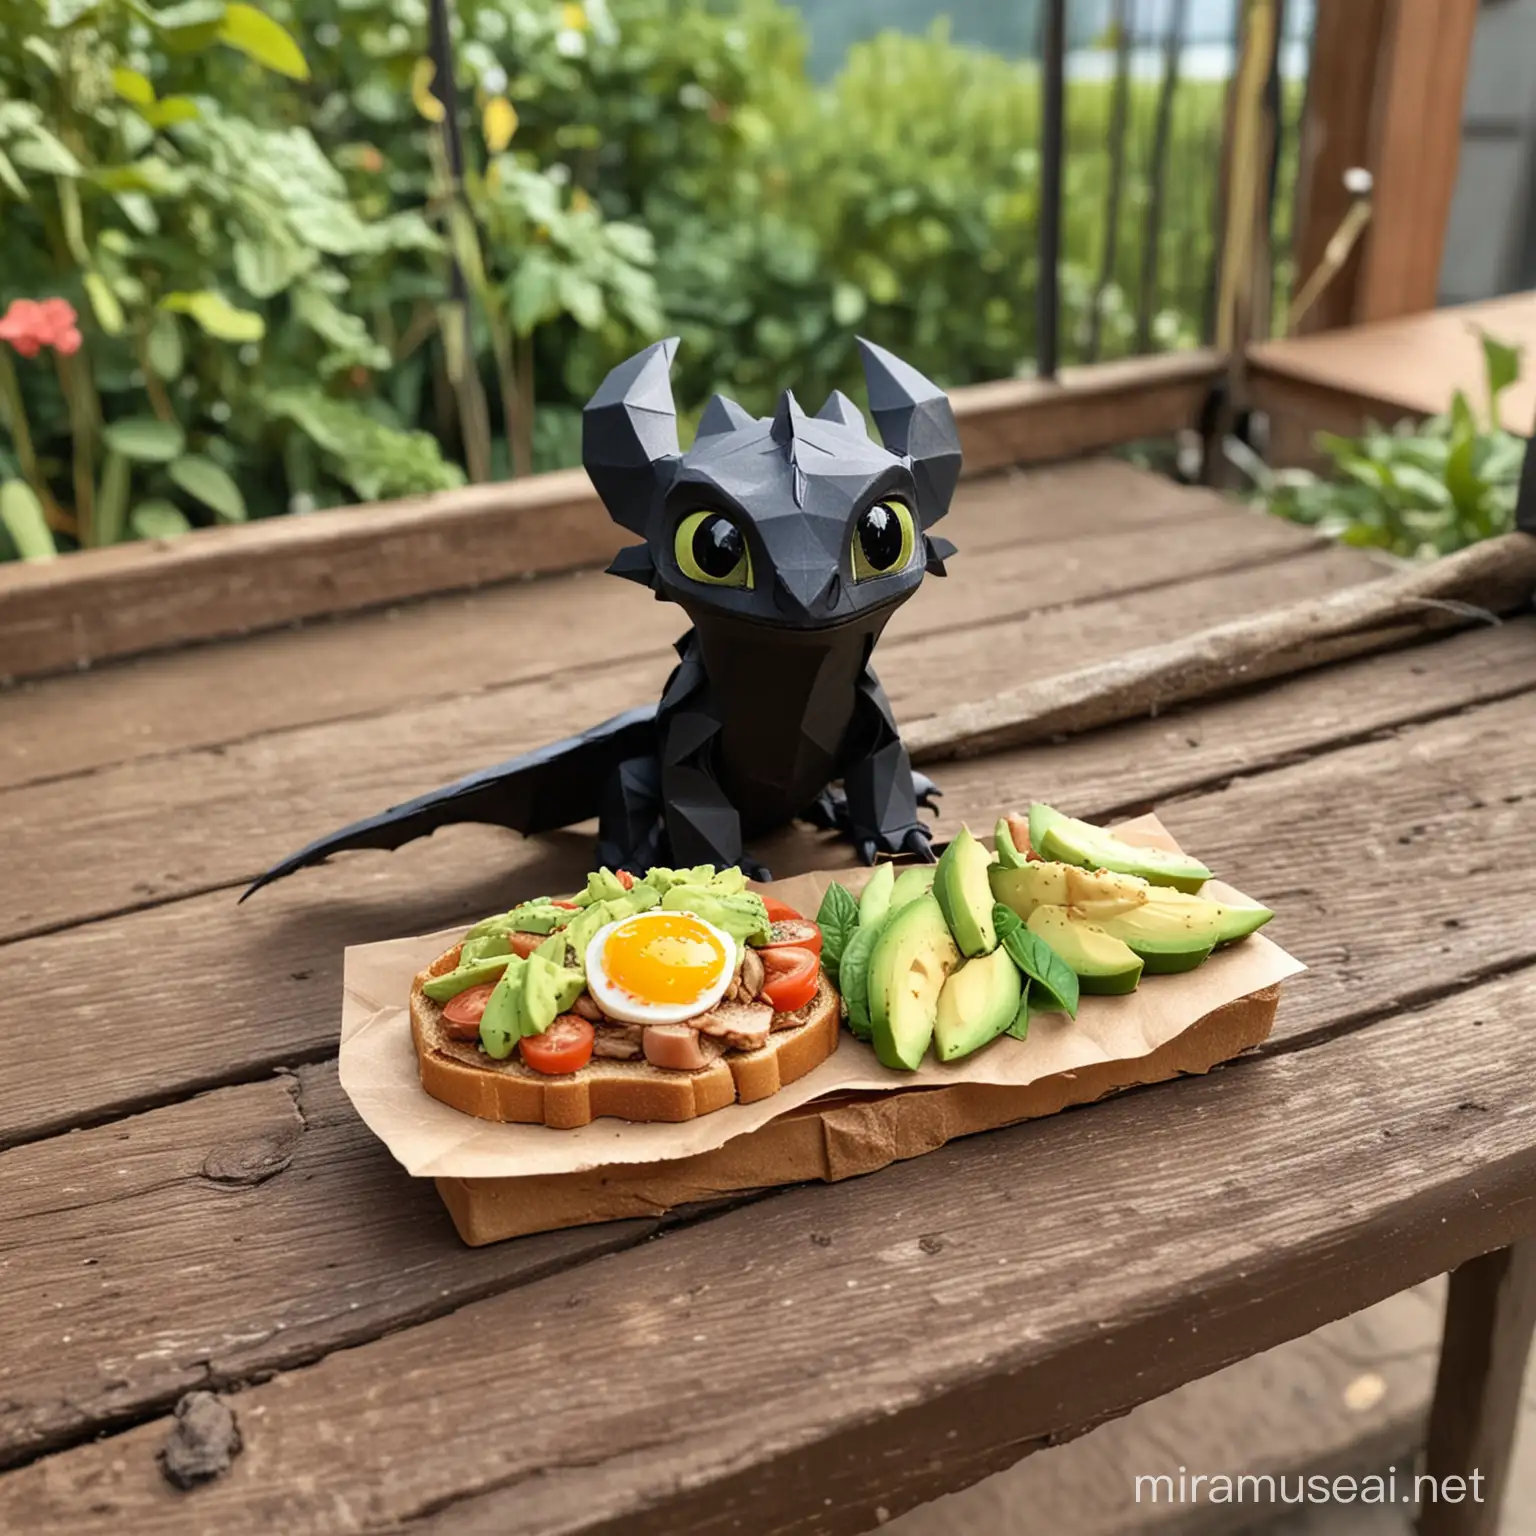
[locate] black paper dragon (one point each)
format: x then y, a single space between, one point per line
789 542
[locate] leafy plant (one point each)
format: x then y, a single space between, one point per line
290 295
1421 489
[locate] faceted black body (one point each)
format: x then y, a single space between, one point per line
789 541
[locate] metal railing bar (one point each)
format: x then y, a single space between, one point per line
1157 174
1119 107
1053 60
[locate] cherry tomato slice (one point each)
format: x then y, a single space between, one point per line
793 975
779 911
570 906
566 1046
461 1013
798 931
626 879
524 944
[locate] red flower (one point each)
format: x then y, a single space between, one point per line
30 326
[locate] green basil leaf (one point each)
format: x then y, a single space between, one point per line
1019 1029
853 977
838 919
1044 967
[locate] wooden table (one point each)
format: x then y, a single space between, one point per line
1390 369
188 1201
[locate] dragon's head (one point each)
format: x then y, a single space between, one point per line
797 521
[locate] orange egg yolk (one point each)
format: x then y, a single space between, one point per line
668 957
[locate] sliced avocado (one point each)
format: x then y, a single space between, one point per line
912 958
964 894
1104 965
742 914
977 1003
1236 922
1009 855
661 879
541 916
1055 836
1049 883
483 948
912 883
464 976
875 900
499 1031
1169 935
547 990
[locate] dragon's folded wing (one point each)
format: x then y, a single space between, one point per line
550 787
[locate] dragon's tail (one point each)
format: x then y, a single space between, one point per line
547 788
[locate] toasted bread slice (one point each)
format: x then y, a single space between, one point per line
460 1074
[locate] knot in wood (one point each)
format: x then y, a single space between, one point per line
247 1162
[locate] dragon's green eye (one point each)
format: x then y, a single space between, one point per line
712 549
882 540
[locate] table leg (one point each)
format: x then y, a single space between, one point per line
1490 1313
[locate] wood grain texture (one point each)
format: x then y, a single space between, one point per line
270 971
305 1250
1335 137
1490 1314
1403 367
1474 585
244 1230
1416 147
799 1363
143 596
1072 515
1284 1413
158 829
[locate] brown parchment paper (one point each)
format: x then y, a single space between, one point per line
378 1061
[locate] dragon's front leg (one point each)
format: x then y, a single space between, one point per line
880 792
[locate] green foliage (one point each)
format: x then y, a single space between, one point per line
250 208
1419 490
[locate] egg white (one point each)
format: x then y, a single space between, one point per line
620 1004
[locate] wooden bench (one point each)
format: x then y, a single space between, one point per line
188 1201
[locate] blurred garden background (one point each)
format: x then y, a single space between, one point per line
251 213
263 260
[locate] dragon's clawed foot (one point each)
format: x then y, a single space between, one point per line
926 791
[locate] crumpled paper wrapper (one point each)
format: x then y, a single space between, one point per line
378 1060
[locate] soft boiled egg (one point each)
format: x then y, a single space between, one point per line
659 967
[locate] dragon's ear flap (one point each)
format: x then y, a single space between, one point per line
914 420
629 435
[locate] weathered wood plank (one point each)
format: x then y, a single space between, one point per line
1491 578
159 829
251 1228
270 972
1290 1411
800 1363
1490 1313
1416 144
1335 136
1104 526
226 581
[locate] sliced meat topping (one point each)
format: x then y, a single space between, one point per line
619 1042
743 1025
753 974
586 1006
680 1047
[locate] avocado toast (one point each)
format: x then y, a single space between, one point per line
654 998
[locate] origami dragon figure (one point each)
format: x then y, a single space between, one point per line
789 542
